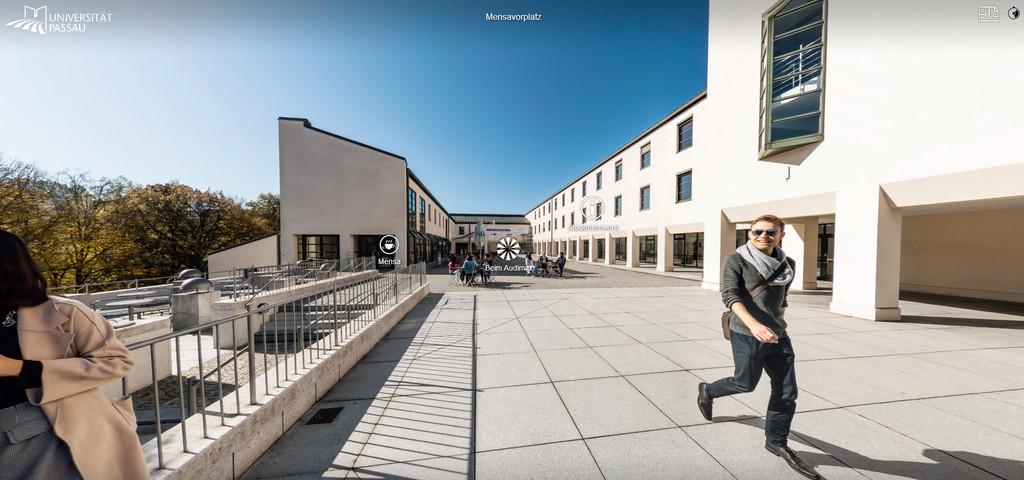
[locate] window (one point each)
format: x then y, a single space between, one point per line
599 210
618 205
684 186
412 210
462 230
584 188
645 156
563 221
618 170
599 178
645 197
324 247
572 194
563 199
423 215
792 75
685 134
572 218
648 249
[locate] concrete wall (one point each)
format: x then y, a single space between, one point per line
967 254
334 186
259 253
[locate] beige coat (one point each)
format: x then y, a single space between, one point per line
79 354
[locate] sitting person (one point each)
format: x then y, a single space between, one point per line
468 270
486 268
453 265
543 260
561 263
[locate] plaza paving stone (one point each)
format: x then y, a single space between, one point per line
580 382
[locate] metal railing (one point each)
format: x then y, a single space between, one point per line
134 283
296 332
246 281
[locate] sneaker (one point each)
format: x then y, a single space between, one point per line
704 401
794 461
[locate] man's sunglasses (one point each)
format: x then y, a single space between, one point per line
771 233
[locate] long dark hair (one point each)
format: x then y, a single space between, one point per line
21 282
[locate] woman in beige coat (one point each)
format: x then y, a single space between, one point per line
55 353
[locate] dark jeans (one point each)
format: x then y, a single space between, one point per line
750 357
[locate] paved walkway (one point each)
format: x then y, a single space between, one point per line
601 383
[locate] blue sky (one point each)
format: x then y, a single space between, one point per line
191 90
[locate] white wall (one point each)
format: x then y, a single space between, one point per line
333 186
967 254
259 253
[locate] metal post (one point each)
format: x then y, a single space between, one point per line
251 355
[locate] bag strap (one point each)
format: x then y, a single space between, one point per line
763 284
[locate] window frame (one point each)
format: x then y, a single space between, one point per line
617 206
679 134
648 187
680 174
618 170
598 181
650 158
766 147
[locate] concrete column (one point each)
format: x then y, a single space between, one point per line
664 263
867 258
719 242
632 250
579 249
801 244
609 248
593 249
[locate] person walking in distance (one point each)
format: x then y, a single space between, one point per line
755 283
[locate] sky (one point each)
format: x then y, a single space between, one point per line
492 116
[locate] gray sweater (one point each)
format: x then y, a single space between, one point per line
739 277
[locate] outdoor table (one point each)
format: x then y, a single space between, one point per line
136 302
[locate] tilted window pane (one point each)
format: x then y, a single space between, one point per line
796 127
795 85
686 135
797 62
795 4
796 19
796 41
794 106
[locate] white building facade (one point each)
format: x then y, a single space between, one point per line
848 120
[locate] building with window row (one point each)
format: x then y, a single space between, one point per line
845 122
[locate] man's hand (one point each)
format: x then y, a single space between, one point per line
9 367
764 334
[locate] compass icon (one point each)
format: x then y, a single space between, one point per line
508 248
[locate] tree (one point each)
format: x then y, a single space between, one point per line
83 246
173 226
23 200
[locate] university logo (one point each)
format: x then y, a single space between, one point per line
34 23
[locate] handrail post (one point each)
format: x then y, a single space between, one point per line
251 355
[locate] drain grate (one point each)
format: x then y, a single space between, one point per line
324 415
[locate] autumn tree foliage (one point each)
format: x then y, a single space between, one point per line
90 230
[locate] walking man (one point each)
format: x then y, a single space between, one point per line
755 282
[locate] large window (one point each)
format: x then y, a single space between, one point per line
688 249
600 249
648 249
792 75
684 186
412 209
618 205
645 156
323 247
645 197
620 249
618 170
423 215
